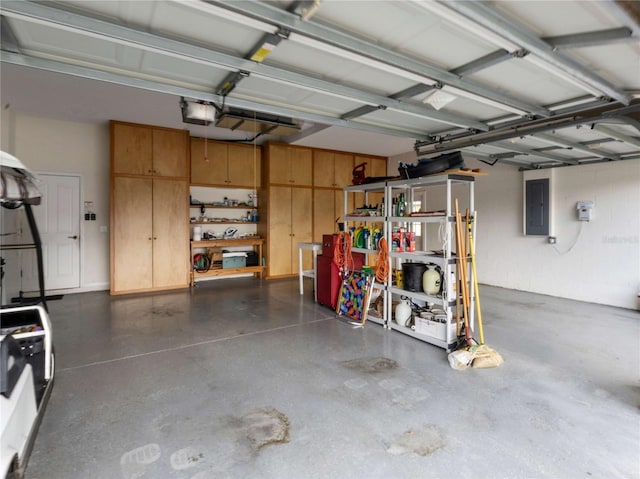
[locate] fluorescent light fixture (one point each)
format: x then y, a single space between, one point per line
197 112
346 54
438 99
486 101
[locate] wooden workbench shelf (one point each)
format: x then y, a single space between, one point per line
256 243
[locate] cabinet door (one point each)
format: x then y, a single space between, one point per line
170 152
132 234
131 149
209 169
324 212
343 169
301 224
170 233
280 239
301 166
244 169
375 166
279 164
323 169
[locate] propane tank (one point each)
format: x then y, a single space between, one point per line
403 313
431 279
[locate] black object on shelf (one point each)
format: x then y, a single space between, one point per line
430 166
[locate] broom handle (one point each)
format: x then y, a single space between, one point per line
475 281
465 292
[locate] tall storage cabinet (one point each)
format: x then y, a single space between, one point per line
333 171
286 215
227 165
149 208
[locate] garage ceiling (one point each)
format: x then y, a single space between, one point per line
529 83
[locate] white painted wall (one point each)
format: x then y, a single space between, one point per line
54 146
604 264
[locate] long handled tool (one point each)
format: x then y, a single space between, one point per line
462 259
475 277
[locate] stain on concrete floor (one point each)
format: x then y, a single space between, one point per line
265 426
422 442
371 365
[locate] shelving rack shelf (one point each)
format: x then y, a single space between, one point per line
425 190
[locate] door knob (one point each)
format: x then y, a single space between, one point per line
73 237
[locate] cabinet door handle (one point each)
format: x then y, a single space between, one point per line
73 237
149 238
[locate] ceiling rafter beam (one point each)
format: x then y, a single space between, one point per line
632 140
335 37
602 115
484 15
363 110
494 159
412 91
629 12
533 152
146 41
312 130
9 40
553 139
481 63
99 75
590 39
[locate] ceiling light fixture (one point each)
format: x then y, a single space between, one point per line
197 112
438 99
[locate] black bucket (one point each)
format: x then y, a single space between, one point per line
412 276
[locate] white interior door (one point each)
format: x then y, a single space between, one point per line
58 220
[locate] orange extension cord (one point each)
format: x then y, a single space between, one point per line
382 262
342 256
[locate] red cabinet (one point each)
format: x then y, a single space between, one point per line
328 277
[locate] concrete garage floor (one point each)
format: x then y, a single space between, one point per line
247 379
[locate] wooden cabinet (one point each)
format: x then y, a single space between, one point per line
328 205
148 151
149 248
332 169
132 234
289 224
303 195
285 206
149 209
215 163
289 165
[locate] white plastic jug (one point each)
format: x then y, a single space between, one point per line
403 313
431 279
